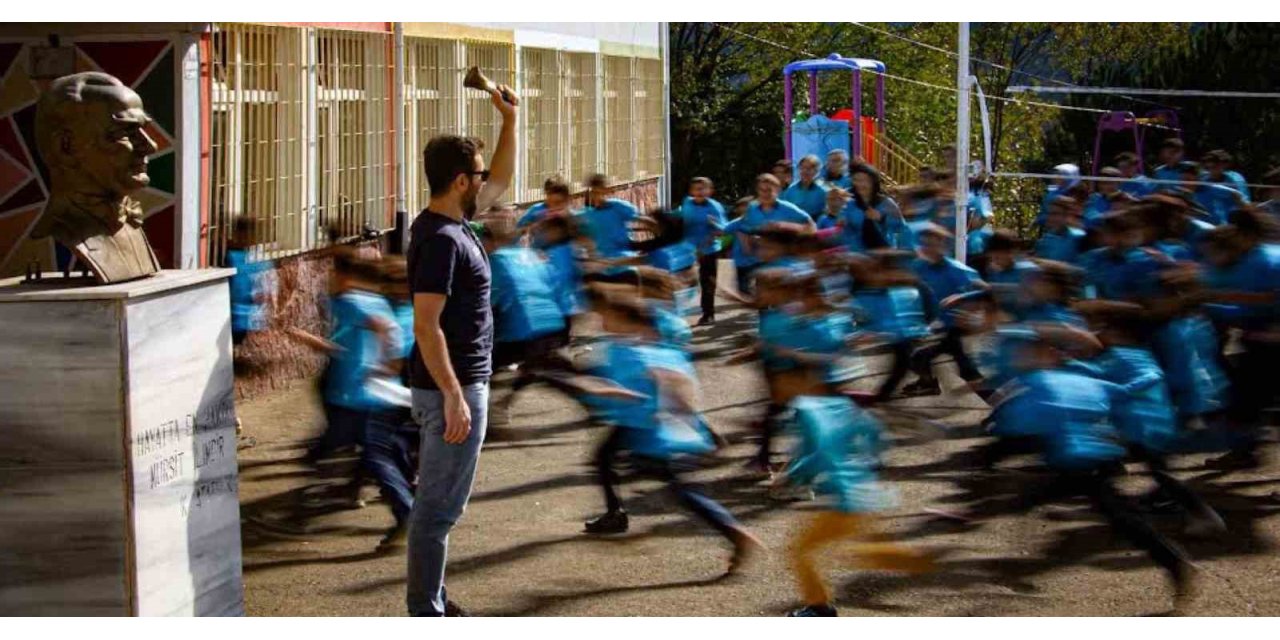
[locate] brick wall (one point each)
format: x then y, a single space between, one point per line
270 360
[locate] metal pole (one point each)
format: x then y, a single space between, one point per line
856 146
664 36
962 143
813 92
398 101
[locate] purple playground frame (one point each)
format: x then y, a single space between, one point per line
1116 121
833 62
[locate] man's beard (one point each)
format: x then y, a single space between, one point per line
469 204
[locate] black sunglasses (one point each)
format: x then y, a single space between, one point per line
484 175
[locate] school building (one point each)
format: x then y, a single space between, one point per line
313 128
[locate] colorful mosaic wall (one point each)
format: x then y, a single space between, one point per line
146 65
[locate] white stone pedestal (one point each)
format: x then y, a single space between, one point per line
118 479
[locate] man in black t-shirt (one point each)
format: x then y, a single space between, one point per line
453 341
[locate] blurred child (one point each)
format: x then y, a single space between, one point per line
248 296
363 344
831 215
1059 240
1109 196
836 172
946 280
1073 416
889 306
661 426
528 321
704 223
836 450
808 193
555 204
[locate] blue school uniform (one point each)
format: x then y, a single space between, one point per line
1217 200
1070 412
836 448
1120 276
671 326
532 216
897 313
247 314
608 226
891 225
827 221
1138 186
1145 416
1188 349
1258 271
1096 208
360 351
1164 172
737 252
404 319
674 258
566 277
1063 246
811 199
703 224
824 334
525 305
944 278
651 429
756 218
845 181
1007 285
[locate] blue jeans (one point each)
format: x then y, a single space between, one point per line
445 475
385 457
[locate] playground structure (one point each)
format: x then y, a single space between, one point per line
863 137
1121 121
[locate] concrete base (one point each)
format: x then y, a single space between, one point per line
118 478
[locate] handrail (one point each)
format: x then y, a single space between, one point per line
896 165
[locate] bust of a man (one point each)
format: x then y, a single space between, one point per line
89 130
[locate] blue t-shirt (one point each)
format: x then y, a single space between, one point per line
893 228
811 199
944 278
703 224
1138 186
566 277
403 311
1070 412
897 313
1145 415
827 221
756 218
845 181
1189 350
1124 275
674 258
247 314
836 449
359 349
534 215
609 228
1258 271
1218 200
1063 246
525 305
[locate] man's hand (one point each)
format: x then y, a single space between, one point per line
507 109
457 419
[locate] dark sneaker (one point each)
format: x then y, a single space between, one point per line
397 538
612 522
706 321
1234 461
814 611
922 388
452 610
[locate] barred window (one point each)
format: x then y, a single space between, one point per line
581 140
619 118
480 119
258 143
433 78
652 126
540 94
354 120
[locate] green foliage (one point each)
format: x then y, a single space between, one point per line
727 91
1214 57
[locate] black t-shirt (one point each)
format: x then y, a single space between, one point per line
446 257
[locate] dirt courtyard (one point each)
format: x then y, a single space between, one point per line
519 549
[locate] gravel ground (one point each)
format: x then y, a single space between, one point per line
518 549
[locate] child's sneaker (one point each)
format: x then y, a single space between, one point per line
814 611
611 522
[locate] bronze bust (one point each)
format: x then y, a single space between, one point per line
89 130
